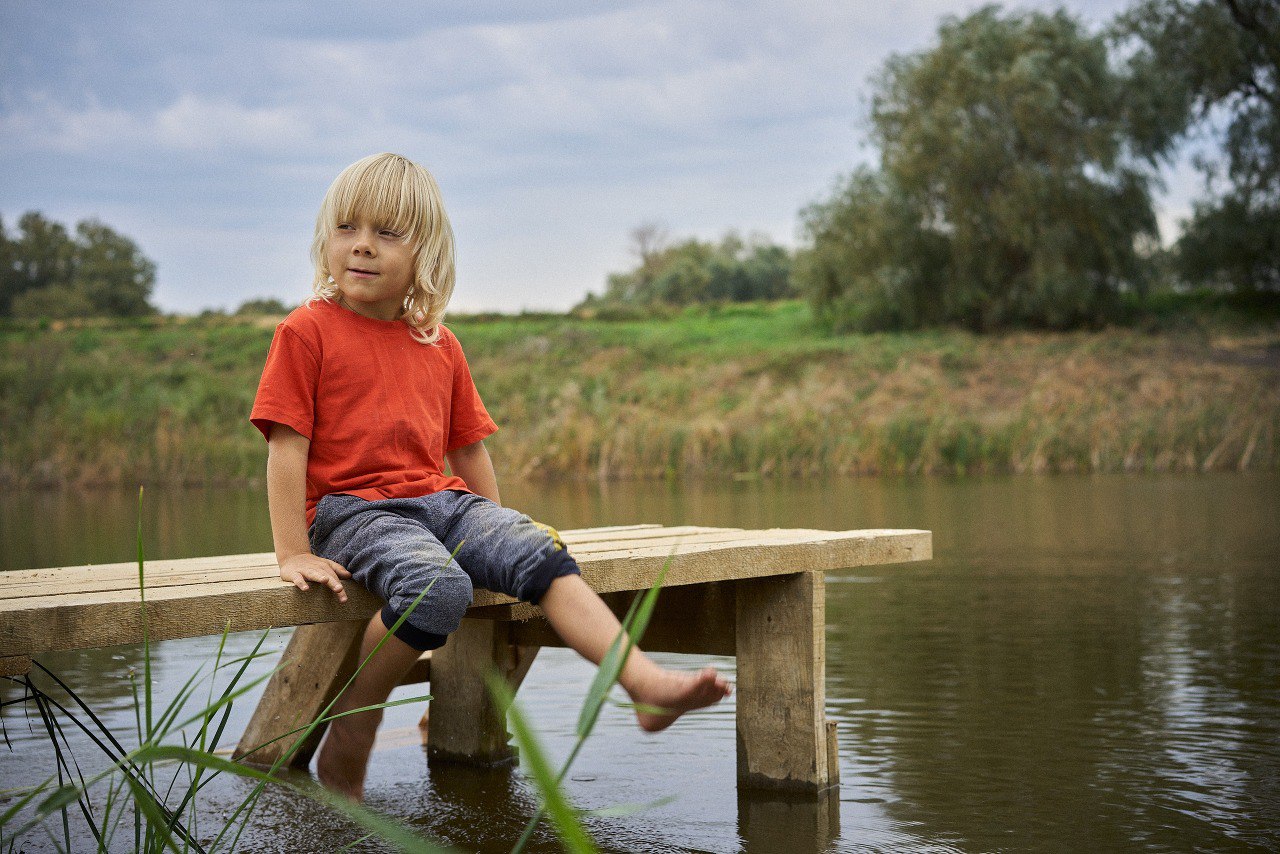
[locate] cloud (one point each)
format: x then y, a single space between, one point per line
553 128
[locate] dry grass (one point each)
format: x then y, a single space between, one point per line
753 391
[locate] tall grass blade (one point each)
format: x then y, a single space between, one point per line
629 635
386 828
633 628
570 829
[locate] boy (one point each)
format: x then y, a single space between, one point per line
364 397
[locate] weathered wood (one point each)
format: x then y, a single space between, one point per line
419 671
314 667
756 594
15 665
698 619
198 598
463 723
782 728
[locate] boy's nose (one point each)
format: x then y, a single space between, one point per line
363 244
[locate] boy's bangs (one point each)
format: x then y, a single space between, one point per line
383 194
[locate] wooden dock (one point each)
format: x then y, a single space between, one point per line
755 594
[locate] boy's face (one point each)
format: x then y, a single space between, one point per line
372 267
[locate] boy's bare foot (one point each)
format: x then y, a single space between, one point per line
344 756
677 693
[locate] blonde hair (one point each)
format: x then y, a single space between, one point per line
393 192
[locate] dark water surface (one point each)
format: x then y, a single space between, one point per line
1089 663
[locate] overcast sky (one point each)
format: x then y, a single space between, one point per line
208 132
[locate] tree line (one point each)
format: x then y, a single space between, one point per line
1017 160
47 271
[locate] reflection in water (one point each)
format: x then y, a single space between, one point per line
1089 662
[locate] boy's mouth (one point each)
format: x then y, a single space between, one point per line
361 272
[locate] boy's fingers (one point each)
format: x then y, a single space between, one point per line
340 569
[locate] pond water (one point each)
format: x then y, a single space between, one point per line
1087 663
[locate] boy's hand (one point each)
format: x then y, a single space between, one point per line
301 568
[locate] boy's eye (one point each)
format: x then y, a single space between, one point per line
386 232
345 226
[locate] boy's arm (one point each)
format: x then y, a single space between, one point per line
287 500
472 464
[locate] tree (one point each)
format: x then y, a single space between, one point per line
1009 192
1195 60
111 271
45 272
262 305
697 271
39 256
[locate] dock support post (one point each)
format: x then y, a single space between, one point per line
463 723
317 663
783 735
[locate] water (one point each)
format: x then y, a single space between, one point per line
1087 663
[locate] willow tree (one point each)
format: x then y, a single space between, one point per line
1010 191
1209 65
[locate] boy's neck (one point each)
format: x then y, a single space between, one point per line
368 311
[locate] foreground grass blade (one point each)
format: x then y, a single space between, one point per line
633 628
387 829
562 815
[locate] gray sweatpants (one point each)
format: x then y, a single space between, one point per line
398 546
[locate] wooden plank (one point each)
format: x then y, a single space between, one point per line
778 553
34 624
463 723
639 537
91 583
419 671
782 728
696 620
15 665
129 571
37 625
313 668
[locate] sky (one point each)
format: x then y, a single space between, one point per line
209 132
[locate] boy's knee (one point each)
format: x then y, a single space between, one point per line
440 605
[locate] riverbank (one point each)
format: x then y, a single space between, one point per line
745 392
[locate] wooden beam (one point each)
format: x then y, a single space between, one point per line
209 600
15 665
697 620
314 668
463 723
782 728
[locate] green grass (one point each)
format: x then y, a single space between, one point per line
741 390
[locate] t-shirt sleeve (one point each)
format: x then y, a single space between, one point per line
287 391
469 421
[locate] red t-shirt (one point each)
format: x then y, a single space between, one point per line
380 408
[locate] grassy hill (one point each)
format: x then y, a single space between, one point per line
742 391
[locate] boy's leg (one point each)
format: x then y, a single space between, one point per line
344 757
588 627
503 550
396 558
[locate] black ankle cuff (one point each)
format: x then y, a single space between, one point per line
411 634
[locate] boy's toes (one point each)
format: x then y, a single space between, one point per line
678 693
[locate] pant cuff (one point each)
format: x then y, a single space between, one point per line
556 564
411 634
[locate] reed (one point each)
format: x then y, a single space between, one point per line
155 785
753 390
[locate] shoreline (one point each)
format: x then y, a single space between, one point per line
741 392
